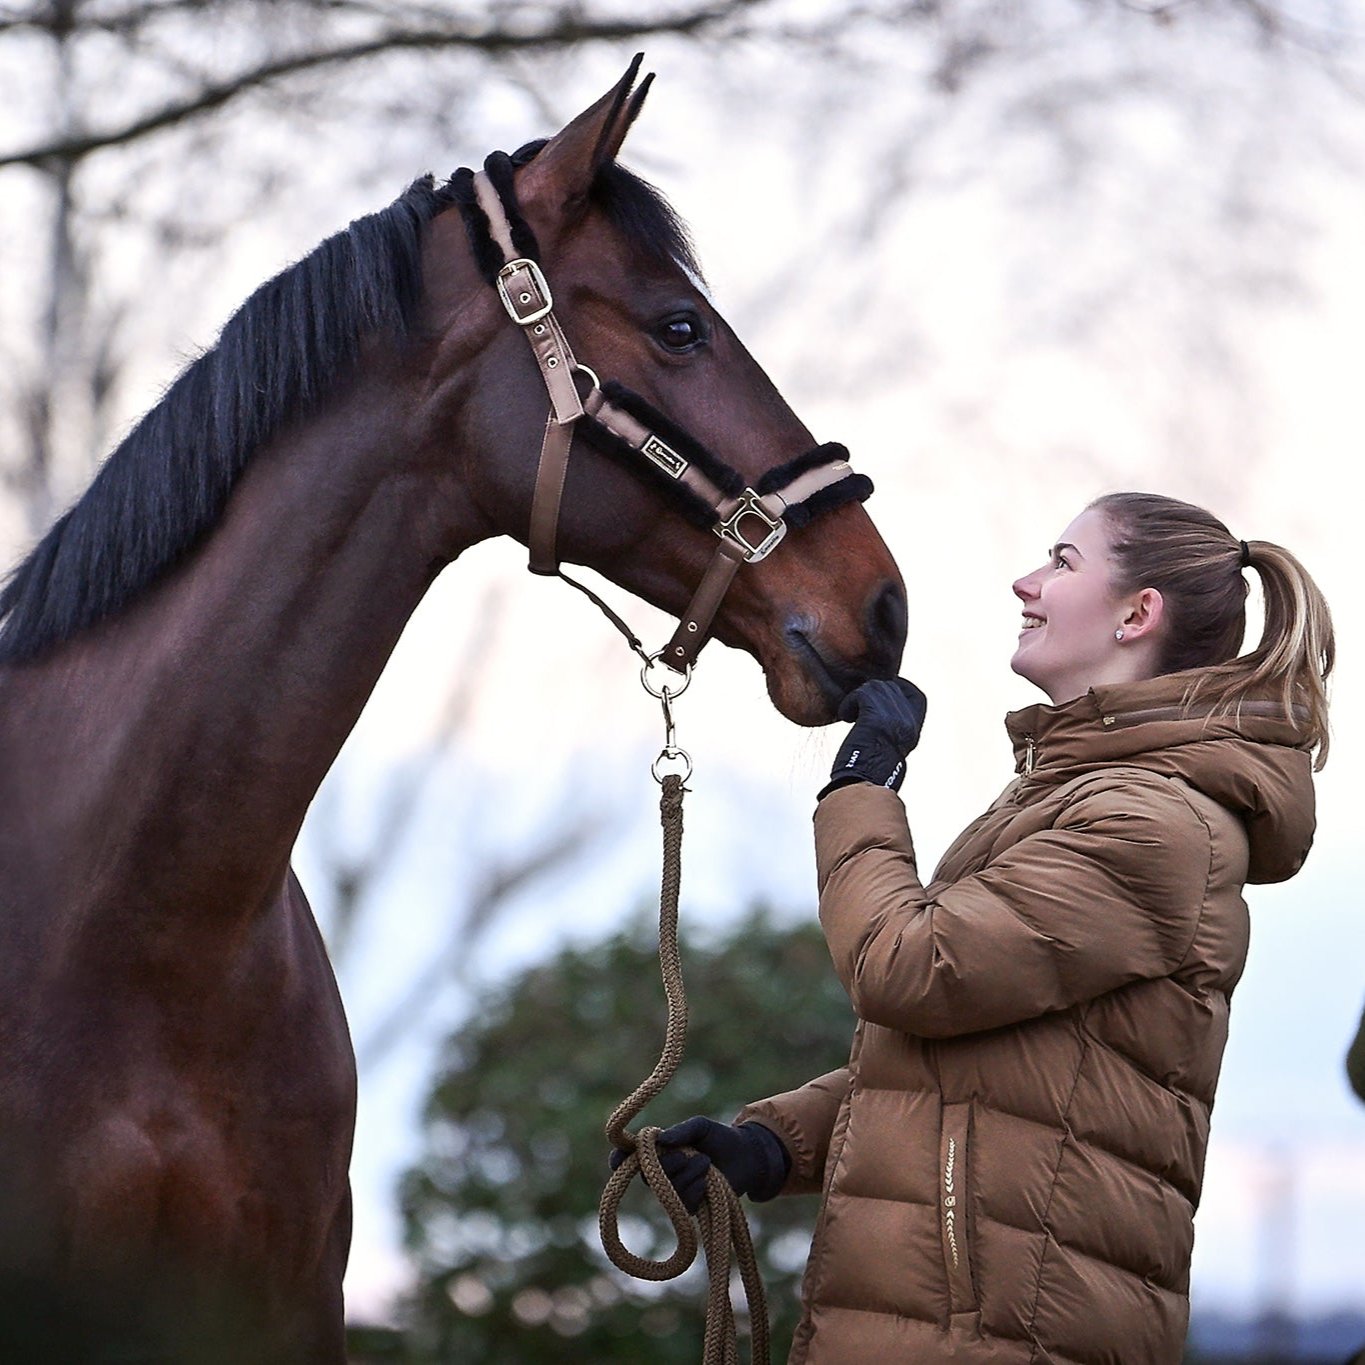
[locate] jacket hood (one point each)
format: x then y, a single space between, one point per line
1255 763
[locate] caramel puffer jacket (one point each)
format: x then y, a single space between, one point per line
1012 1158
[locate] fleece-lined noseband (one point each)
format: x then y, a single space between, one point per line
750 521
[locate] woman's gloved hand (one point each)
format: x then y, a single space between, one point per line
887 716
749 1156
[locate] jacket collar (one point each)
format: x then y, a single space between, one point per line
1254 762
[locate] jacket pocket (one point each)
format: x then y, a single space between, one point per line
953 1191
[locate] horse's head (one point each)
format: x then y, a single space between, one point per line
824 610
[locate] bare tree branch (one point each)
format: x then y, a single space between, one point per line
501 883
353 874
568 32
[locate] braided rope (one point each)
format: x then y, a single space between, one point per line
724 1229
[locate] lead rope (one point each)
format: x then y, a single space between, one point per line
725 1236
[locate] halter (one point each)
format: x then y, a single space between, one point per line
749 521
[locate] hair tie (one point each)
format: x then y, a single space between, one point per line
1245 561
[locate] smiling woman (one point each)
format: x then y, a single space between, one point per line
1011 1159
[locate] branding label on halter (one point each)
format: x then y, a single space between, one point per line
664 456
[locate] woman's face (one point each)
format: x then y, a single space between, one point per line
1071 614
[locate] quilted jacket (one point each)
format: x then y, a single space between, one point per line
1012 1158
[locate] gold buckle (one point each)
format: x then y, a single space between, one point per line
524 310
750 506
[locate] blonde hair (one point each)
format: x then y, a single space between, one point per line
1193 560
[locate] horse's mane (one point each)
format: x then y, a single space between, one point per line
166 485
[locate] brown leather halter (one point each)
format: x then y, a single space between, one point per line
750 522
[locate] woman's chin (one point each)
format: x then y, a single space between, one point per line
1027 668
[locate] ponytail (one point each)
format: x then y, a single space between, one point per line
1297 648
1191 558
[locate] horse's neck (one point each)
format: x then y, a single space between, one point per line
207 714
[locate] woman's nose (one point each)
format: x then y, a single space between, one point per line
1025 589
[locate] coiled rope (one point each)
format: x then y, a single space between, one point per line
724 1229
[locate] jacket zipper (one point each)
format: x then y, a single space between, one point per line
1031 752
1121 719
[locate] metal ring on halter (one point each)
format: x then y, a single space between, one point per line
673 754
660 692
580 368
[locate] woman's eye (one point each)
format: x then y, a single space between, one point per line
680 334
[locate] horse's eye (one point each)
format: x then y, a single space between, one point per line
680 333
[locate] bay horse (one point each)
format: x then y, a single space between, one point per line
182 657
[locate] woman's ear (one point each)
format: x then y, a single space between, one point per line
1145 615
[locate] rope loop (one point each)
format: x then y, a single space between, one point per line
644 1161
724 1230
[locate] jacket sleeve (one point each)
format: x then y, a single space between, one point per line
804 1121
1108 894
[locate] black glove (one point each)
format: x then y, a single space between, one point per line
751 1157
888 714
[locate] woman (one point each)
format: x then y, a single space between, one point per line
1011 1160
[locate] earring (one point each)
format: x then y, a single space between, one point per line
1118 635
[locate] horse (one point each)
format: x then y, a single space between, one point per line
185 651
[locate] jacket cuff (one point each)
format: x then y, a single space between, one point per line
775 1162
842 780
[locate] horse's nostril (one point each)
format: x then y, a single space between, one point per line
886 625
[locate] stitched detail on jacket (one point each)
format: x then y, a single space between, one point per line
1162 782
1054 1357
1174 1291
1052 1126
819 1243
846 1193
1183 788
1136 1064
1046 1219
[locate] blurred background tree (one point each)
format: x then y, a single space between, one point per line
501 1210
138 133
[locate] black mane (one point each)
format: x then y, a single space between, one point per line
166 485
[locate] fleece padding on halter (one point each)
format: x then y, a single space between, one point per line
499 169
852 488
727 480
487 254
695 509
598 431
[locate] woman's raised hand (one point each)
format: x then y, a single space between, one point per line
887 716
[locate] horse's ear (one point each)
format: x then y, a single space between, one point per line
563 170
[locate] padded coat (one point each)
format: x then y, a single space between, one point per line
1012 1158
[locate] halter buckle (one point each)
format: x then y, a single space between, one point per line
531 303
750 505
